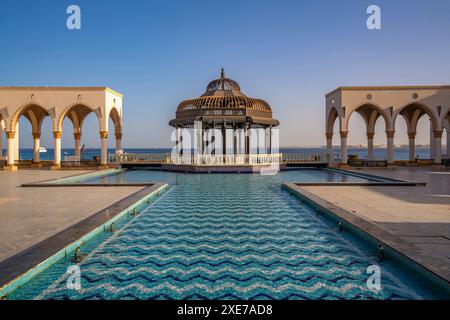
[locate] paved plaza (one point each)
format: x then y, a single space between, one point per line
30 215
419 214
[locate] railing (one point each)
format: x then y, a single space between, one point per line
72 158
138 157
219 159
211 160
307 158
79 163
367 163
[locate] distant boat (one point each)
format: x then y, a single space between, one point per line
42 150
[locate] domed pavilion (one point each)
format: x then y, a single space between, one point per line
221 108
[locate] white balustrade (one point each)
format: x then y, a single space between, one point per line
218 159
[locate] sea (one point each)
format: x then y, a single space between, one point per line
400 153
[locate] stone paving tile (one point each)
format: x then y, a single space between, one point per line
407 212
30 215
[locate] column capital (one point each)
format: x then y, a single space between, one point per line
103 134
343 134
118 136
438 133
390 134
370 135
10 134
329 135
411 135
57 134
77 135
36 135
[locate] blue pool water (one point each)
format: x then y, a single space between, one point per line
226 236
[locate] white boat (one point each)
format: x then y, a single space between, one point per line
42 150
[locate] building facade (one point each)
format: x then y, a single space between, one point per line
58 103
390 103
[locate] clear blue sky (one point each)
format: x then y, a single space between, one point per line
157 53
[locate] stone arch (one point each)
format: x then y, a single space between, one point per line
76 113
412 112
333 114
117 120
446 120
34 112
370 113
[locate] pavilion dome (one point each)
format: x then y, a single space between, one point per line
223 93
223 84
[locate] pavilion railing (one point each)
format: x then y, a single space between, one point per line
219 159
229 159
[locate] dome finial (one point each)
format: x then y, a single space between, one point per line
222 73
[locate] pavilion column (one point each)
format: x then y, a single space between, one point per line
344 154
57 154
10 137
224 139
370 145
213 139
181 142
329 136
412 146
119 149
37 140
390 146
267 140
199 137
77 140
202 130
234 139
437 146
177 141
104 148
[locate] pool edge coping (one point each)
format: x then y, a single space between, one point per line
433 265
23 276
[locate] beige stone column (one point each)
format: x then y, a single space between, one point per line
412 146
1 141
77 142
119 149
344 152
390 146
10 138
448 144
16 143
370 145
329 136
437 146
432 148
104 148
37 141
57 155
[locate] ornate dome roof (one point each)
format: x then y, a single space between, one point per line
223 84
223 93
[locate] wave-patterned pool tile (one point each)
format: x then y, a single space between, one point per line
229 237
